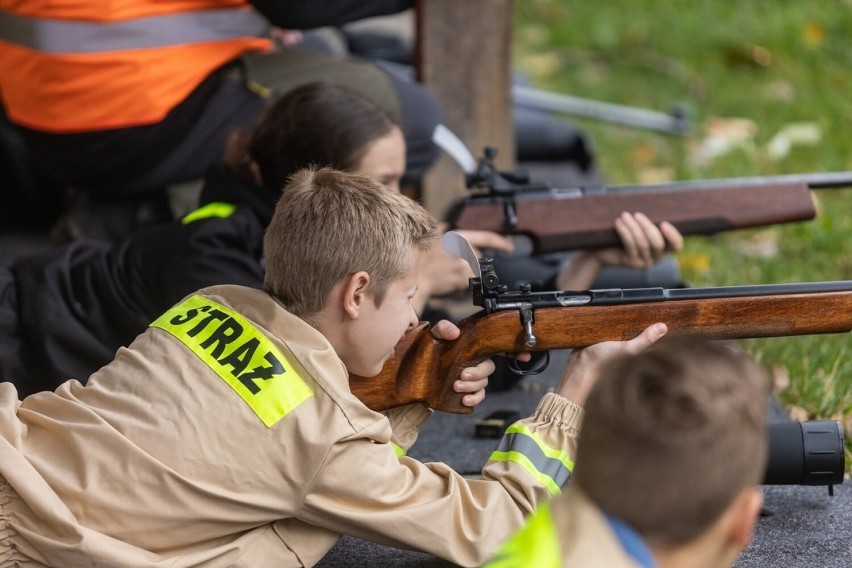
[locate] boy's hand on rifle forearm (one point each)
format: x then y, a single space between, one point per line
584 365
473 380
643 245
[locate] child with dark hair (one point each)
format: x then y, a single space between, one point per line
67 310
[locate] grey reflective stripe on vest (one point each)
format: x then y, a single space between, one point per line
523 444
64 36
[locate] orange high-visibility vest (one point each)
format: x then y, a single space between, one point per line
84 65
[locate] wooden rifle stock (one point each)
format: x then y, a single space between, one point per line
583 217
424 368
561 220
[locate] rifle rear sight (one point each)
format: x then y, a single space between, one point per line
488 176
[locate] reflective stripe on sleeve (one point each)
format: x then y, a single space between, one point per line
74 37
398 450
550 466
214 209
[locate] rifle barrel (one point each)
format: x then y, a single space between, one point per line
815 180
675 122
614 296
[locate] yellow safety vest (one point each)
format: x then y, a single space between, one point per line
536 545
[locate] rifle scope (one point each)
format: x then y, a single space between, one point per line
805 453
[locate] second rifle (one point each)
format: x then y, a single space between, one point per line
555 219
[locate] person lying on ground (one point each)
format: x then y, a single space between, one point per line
227 435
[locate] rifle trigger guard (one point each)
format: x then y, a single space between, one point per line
513 366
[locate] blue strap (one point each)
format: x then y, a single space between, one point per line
632 543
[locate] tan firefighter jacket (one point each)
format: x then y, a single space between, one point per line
226 435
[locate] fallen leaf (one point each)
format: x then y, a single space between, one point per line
793 134
656 175
722 136
699 263
542 64
813 35
780 91
798 413
762 244
779 377
642 155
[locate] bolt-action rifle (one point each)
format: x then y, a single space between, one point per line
555 219
510 321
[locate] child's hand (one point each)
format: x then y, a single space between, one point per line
473 380
584 365
643 243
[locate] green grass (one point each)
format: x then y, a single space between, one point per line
773 63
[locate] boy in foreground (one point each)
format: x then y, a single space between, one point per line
226 434
673 451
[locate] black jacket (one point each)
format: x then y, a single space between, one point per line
77 304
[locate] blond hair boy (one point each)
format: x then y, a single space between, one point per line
227 435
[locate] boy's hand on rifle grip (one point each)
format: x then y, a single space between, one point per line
473 380
584 365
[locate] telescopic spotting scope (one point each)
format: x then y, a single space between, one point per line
805 453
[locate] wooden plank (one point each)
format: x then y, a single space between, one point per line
463 55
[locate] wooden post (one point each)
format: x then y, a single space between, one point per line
463 55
